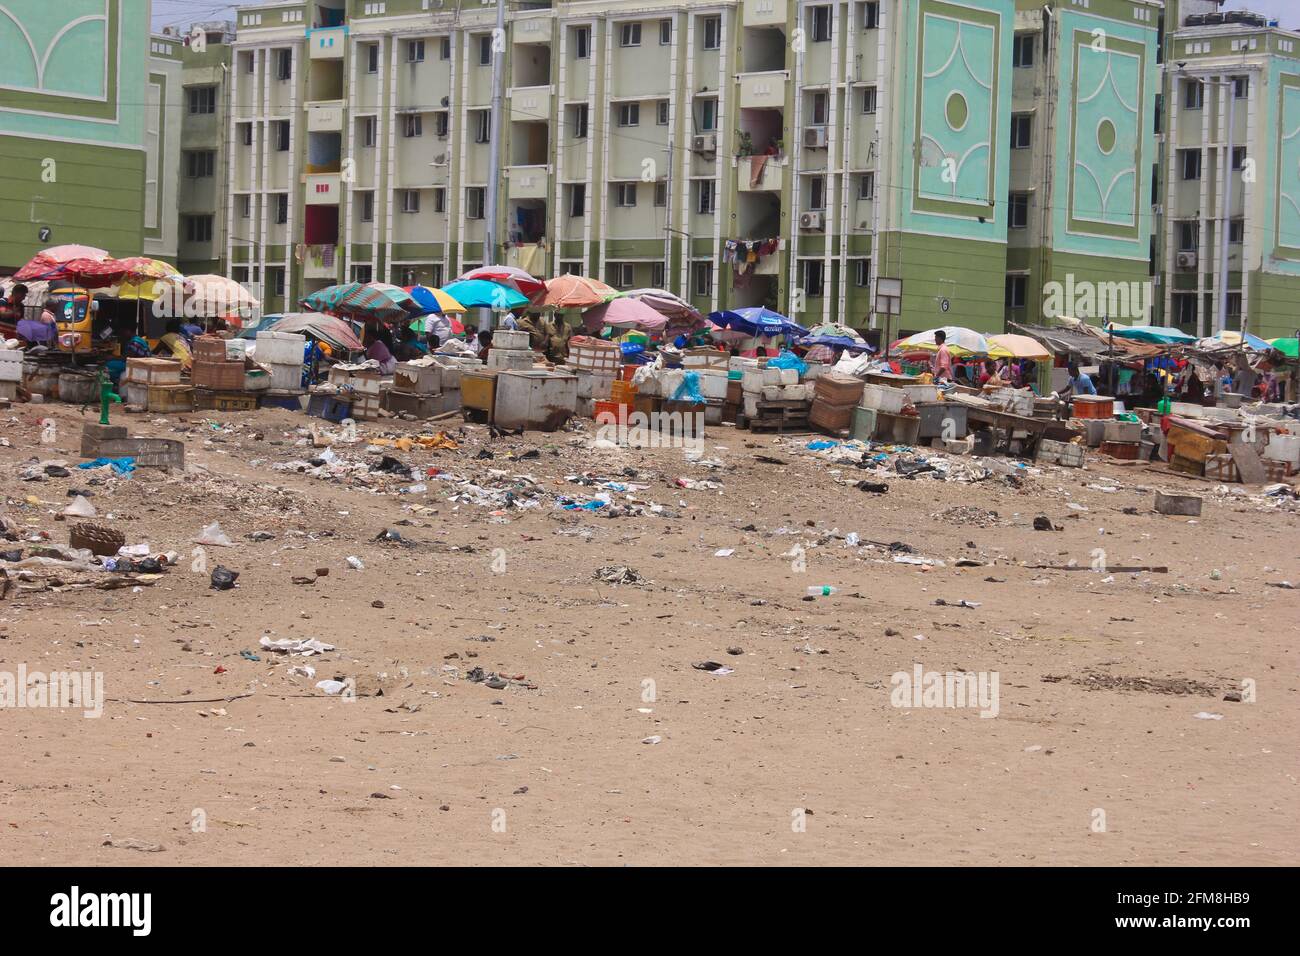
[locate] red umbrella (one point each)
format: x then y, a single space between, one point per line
511 276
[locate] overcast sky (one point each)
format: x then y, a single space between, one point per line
182 12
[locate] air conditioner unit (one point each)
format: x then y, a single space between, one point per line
439 160
814 137
704 143
812 221
1186 260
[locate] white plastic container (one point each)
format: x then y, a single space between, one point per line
883 398
751 381
789 376
772 376
921 393
279 348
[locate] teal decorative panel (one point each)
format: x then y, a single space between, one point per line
1288 169
958 125
1105 141
59 49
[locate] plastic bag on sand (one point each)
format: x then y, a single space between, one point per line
80 508
331 687
213 535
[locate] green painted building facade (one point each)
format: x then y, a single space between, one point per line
73 120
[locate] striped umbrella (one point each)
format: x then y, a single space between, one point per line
353 300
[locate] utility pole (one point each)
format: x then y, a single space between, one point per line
668 216
491 213
1229 87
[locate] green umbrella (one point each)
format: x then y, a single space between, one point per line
1287 345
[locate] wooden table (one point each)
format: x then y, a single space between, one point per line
1007 424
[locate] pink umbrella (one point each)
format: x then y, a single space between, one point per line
668 304
511 276
624 313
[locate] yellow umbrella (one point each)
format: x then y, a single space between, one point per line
1017 347
435 300
148 288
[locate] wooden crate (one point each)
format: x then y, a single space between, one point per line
170 398
218 376
780 416
211 400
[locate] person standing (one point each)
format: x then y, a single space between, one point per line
941 363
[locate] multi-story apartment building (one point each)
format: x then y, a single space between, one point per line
1231 189
75 84
1085 83
992 159
205 125
162 142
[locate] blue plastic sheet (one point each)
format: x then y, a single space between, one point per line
689 390
121 466
788 359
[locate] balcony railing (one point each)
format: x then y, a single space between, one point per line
322 189
770 174
325 116
530 104
765 13
319 262
763 90
529 182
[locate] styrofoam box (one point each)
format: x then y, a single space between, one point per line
11 371
814 371
773 393
789 376
751 404
593 385
651 386
280 348
285 376
883 398
1283 448
713 385
516 359
11 355
921 393
366 383
509 339
752 381
772 376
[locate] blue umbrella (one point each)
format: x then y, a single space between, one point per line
481 294
757 320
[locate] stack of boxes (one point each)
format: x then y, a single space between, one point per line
596 363
281 354
358 387
11 372
423 389
886 413
1067 454
1121 439
834 398
213 371
510 351
154 384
